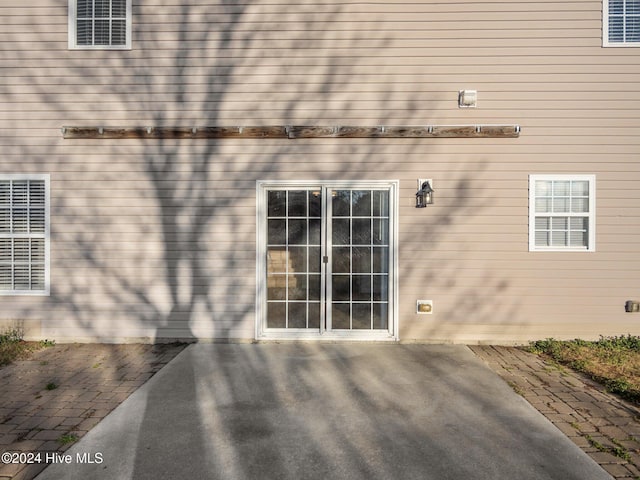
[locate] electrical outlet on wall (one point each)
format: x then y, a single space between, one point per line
424 307
631 306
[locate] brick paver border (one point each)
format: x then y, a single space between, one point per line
603 425
63 391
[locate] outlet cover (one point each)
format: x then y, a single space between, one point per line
631 306
424 307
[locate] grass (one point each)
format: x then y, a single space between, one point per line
516 388
13 347
611 361
67 438
617 451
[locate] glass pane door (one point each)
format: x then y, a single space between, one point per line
359 252
328 260
293 258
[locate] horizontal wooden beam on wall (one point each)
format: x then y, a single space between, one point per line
174 132
296 131
450 131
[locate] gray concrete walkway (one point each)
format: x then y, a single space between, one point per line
325 411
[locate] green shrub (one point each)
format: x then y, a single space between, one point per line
11 335
13 347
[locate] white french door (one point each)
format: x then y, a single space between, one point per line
326 260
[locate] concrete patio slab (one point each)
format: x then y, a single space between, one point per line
347 411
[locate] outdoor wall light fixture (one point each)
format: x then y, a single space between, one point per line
424 196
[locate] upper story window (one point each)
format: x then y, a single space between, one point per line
100 24
24 234
562 213
621 23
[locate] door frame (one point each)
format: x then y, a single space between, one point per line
261 332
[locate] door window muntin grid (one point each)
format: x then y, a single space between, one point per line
325 331
293 258
359 243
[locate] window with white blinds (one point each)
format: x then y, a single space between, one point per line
24 234
562 213
621 23
100 24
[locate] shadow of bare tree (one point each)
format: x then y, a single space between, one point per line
156 238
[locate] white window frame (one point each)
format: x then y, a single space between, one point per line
73 45
261 332
605 30
46 235
591 214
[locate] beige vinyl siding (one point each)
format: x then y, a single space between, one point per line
135 254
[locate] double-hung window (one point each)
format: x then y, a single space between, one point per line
621 23
24 234
562 213
100 24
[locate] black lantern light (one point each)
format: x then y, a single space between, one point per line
424 196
